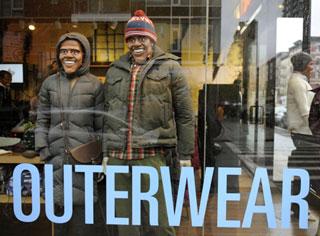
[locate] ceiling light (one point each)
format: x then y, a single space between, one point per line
22 24
32 25
94 25
114 25
57 24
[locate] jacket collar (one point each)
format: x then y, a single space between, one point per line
300 75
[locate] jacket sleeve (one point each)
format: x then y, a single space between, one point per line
301 96
104 136
98 107
314 115
182 106
1 96
43 118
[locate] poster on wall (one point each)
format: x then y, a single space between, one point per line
12 47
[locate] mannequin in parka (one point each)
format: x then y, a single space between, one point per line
69 114
149 118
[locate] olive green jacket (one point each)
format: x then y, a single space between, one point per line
162 115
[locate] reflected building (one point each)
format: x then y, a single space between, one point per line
315 52
293 8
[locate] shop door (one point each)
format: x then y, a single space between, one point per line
253 99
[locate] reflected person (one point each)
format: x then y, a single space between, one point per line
5 81
9 117
299 98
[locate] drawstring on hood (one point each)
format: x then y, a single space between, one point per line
85 67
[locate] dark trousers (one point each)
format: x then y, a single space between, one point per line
305 143
77 227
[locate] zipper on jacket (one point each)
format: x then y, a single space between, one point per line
70 93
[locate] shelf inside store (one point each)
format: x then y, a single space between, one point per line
4 198
16 158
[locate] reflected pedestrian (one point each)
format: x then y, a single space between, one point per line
299 98
5 81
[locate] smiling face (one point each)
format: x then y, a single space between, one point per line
140 47
71 56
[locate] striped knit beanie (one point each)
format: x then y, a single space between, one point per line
140 25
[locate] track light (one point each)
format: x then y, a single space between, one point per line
22 24
94 25
32 25
114 25
57 24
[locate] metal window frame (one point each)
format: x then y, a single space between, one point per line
14 8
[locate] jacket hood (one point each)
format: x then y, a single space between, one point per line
85 46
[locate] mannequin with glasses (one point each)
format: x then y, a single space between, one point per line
69 115
72 51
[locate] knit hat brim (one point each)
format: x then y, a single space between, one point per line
140 32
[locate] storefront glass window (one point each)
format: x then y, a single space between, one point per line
236 58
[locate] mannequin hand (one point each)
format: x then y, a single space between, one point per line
104 164
185 163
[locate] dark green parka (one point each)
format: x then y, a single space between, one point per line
162 116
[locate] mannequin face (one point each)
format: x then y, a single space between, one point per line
141 48
71 56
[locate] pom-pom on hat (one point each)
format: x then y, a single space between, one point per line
140 25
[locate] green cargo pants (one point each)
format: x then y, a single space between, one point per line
124 206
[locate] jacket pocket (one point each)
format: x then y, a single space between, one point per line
113 80
156 83
156 75
152 113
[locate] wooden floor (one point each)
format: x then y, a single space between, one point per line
235 211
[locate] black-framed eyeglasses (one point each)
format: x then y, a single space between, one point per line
73 51
140 39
